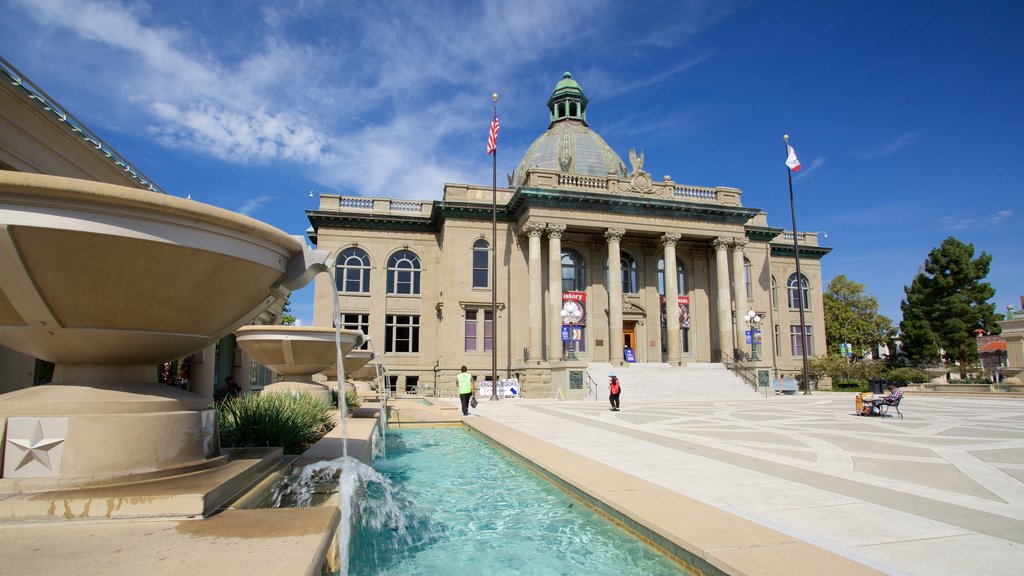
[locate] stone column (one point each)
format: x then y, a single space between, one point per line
614 236
536 354
725 340
669 240
555 291
202 373
739 291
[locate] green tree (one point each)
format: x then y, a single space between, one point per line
287 318
851 314
945 303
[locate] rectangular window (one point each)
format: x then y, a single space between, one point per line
778 340
412 384
402 334
488 331
359 322
471 331
797 343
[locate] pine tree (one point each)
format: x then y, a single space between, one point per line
945 303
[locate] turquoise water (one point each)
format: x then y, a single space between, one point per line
472 510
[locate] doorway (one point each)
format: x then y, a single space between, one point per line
629 335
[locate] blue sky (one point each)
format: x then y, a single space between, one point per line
906 115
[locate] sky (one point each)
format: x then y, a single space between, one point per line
906 115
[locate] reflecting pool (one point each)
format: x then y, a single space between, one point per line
471 509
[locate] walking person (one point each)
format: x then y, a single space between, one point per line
614 388
466 389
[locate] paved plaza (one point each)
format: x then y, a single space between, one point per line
940 492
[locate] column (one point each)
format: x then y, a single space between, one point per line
669 240
555 291
202 373
739 291
725 341
536 353
614 236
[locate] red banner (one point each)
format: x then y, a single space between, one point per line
684 310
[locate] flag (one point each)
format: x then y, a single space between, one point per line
492 138
791 160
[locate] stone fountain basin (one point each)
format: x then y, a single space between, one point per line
295 351
95 273
353 361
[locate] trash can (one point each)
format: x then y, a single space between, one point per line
877 385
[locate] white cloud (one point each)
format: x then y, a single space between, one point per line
806 170
1000 216
903 141
251 205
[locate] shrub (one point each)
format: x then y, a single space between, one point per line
292 421
352 399
904 376
849 386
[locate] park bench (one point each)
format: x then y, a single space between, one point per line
784 386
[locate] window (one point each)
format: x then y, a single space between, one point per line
628 270
778 339
473 330
412 384
353 271
797 343
746 279
574 272
404 273
402 334
798 293
680 277
775 295
359 322
481 264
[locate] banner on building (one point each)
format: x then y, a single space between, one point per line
574 308
684 311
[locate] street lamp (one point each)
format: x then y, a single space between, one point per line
754 323
571 314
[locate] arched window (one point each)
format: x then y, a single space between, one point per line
798 293
574 272
747 279
630 274
680 277
404 273
775 293
481 263
353 271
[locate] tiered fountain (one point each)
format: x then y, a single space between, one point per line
299 352
107 282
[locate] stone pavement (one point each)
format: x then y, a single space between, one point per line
940 492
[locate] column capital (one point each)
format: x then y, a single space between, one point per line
614 234
533 229
670 238
555 230
721 243
739 244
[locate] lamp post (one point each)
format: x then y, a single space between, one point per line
571 314
754 323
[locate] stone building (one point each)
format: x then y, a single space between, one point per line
416 276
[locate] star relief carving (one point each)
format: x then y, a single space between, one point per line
34 446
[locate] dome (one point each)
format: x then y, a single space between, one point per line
569 145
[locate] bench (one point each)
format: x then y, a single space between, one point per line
785 386
883 409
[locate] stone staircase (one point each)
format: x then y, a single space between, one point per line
657 381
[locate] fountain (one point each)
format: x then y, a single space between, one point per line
297 353
106 282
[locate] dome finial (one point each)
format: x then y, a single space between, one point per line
568 102
567 75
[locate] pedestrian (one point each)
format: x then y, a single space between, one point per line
614 388
466 389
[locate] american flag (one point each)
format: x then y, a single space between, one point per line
492 138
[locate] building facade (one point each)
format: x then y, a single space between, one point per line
590 256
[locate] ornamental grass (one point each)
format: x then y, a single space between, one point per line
292 421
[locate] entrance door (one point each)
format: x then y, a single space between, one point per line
629 335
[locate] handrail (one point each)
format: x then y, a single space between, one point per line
591 390
748 375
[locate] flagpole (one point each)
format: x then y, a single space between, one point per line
799 276
494 263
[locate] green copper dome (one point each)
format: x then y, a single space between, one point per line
570 146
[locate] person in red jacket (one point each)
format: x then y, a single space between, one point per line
614 389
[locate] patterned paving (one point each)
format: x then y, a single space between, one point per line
930 494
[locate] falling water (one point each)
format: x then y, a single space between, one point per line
382 392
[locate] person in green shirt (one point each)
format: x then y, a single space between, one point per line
466 389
